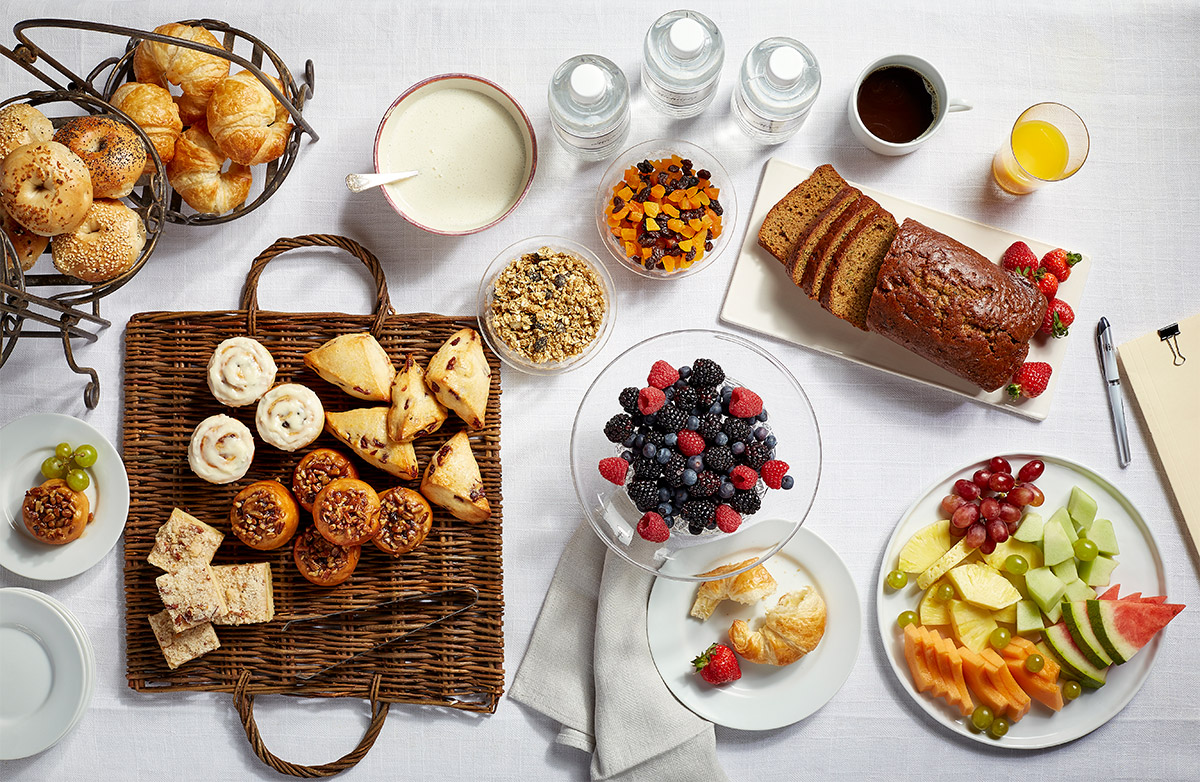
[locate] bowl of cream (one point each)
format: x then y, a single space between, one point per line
473 145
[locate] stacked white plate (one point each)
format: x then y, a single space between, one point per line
47 672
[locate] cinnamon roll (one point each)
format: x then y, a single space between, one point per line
347 512
289 416
321 562
240 371
55 513
264 516
221 449
314 472
404 520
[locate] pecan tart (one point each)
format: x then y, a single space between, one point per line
314 472
54 513
347 512
404 520
321 562
264 516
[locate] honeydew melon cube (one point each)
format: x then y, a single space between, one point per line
1101 533
1056 546
1068 524
1029 618
1045 588
1030 529
1098 571
1066 571
1054 615
1078 590
1082 507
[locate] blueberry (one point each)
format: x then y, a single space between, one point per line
639 441
681 383
738 448
787 482
665 510
760 434
663 456
669 393
669 520
716 408
650 419
726 491
664 495
695 463
684 371
721 439
726 393
627 456
689 477
770 441
763 415
670 439
628 442
692 423
680 496
649 450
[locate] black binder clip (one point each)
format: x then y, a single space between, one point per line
1170 335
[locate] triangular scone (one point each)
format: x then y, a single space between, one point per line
414 410
355 363
452 480
459 376
365 431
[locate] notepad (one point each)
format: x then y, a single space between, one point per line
1163 371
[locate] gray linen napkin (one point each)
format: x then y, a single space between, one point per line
588 666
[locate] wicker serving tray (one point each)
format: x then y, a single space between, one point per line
457 663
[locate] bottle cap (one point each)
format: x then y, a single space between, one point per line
587 83
785 66
685 38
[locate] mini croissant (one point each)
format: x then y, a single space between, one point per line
749 587
792 629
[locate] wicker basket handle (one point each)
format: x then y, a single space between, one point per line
245 707
383 304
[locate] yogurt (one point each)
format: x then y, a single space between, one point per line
472 156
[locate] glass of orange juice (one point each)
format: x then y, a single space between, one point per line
1048 143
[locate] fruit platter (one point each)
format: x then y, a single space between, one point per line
1019 601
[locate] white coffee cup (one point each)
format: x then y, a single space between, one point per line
945 105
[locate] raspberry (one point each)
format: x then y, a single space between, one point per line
772 473
690 443
746 503
669 419
728 520
614 469
744 403
698 512
743 477
710 425
672 471
646 469
737 430
618 428
662 375
652 528
650 399
629 400
706 373
757 454
718 458
685 399
706 484
644 494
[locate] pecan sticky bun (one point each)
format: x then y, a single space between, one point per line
54 513
321 562
315 471
264 516
404 520
347 512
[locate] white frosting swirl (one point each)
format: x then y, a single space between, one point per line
221 449
289 416
240 371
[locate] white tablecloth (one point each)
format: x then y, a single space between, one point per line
1130 71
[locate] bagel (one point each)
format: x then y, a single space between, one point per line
22 124
196 174
104 246
45 187
246 121
151 107
112 151
197 73
27 244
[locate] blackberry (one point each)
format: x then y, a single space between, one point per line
647 468
707 484
746 502
737 430
706 398
618 428
654 437
672 471
757 454
695 528
685 400
670 419
706 373
710 425
718 458
644 495
698 511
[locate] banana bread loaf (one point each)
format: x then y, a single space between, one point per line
949 304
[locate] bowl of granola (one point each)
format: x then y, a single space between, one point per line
546 305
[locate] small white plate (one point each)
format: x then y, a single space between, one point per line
1139 569
766 697
24 445
47 677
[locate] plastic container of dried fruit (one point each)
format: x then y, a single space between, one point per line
511 356
656 150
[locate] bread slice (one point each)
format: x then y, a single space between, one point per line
799 265
460 378
851 277
815 274
414 410
833 238
365 431
452 480
355 363
795 213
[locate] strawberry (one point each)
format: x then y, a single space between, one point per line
1030 381
1046 282
742 477
653 528
772 473
650 400
662 375
718 665
614 469
744 403
1059 317
690 443
1019 258
1059 262
728 519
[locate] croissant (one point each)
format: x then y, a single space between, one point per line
151 107
247 122
749 587
197 73
196 174
792 629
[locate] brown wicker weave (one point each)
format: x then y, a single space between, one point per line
457 663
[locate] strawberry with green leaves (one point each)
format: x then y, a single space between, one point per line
1059 262
718 665
1030 381
1046 282
1058 319
1020 259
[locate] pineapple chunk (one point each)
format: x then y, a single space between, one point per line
1006 615
1031 553
983 586
972 625
933 611
948 560
925 547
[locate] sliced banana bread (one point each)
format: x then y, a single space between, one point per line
804 250
795 213
832 242
850 279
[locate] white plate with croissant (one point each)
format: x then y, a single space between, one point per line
798 615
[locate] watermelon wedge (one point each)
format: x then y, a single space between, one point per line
1074 664
1124 627
1132 597
1075 616
1156 599
1112 593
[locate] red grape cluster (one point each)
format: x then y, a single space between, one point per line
988 508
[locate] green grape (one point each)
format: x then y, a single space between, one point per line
1000 637
999 728
1086 550
85 456
944 592
1035 663
78 480
1016 564
54 467
1072 690
63 450
906 618
982 718
897 579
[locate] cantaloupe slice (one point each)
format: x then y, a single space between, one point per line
975 672
1019 647
1019 699
914 654
941 687
1040 686
949 653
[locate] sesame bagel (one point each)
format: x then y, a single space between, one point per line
112 151
22 124
45 187
104 246
27 244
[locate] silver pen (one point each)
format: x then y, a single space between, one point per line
1112 378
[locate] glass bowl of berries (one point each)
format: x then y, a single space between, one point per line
665 209
687 439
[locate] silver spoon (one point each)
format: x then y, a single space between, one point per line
356 183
